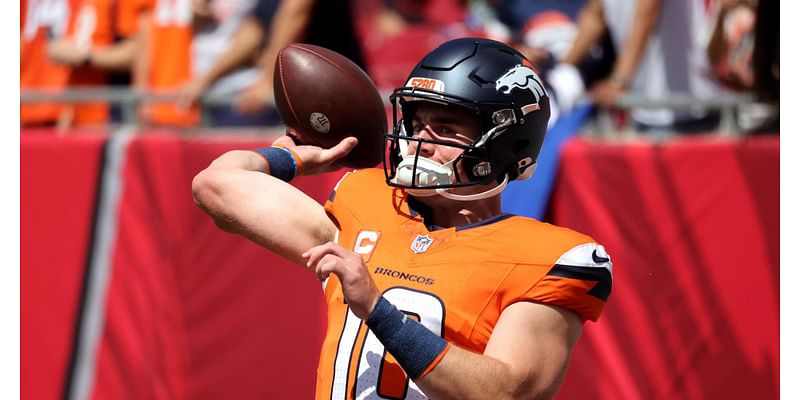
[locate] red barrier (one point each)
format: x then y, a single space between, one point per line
692 227
193 312
58 182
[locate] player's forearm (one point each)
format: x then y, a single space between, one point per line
515 365
244 46
466 375
118 57
591 26
242 198
645 21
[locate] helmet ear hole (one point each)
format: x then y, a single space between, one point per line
518 152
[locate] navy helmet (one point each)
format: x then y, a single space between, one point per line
493 81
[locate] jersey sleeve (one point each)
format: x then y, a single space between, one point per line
580 280
127 17
336 206
356 200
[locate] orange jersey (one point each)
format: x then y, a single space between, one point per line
86 22
128 15
92 25
36 71
455 281
170 61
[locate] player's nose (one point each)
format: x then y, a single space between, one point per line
426 149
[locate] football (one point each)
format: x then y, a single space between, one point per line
324 97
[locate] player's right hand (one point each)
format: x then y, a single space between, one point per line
315 159
358 287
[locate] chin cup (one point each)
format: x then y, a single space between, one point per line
426 173
430 173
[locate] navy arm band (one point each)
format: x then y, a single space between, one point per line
416 348
282 164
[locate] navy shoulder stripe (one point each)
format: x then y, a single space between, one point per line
601 275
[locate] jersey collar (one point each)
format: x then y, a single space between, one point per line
417 208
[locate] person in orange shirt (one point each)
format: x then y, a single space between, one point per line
267 27
165 62
432 290
42 21
102 37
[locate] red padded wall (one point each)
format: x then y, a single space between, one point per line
194 312
58 182
692 228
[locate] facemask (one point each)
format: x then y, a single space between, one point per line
430 173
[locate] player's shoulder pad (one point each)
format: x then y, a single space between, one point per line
540 242
588 262
591 255
357 181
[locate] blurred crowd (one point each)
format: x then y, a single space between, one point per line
594 51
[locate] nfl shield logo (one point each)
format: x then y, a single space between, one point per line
421 244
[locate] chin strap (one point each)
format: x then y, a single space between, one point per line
445 192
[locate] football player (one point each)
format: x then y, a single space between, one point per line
432 290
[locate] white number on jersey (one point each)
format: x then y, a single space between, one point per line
372 369
173 12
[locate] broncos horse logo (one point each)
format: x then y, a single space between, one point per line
520 77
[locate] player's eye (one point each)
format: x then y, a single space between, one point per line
445 130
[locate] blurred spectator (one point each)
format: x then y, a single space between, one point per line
544 32
766 52
270 26
730 50
766 65
735 55
41 21
660 52
57 39
547 25
101 49
325 23
164 63
217 24
396 34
